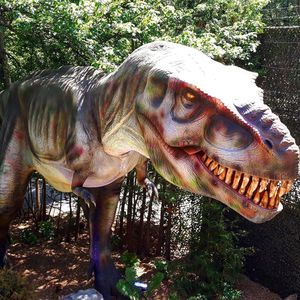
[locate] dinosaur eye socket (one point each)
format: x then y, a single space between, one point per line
188 105
189 97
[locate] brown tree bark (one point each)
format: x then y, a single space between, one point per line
129 233
140 244
77 222
38 198
70 223
161 222
122 210
44 200
169 232
148 223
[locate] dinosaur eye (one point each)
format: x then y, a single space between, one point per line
189 97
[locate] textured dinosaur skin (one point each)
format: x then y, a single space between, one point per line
202 124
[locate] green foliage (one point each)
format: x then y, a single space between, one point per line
46 229
126 286
15 287
129 259
47 34
162 266
154 283
229 293
127 289
282 13
28 237
214 260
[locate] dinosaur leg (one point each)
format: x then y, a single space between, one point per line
101 217
14 176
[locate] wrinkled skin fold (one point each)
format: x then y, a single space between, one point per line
202 124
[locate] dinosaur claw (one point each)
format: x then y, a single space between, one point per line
85 195
90 201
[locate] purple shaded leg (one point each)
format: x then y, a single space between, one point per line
101 218
3 248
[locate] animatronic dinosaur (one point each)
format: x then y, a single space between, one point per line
202 124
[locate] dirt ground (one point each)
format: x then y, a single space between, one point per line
58 269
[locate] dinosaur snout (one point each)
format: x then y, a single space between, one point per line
223 133
275 137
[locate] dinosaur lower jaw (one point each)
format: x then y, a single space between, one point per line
262 192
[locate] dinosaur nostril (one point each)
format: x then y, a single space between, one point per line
268 143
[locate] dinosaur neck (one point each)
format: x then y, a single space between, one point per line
120 130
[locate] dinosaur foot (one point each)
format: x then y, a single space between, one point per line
106 278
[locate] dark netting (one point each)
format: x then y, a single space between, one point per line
282 13
276 263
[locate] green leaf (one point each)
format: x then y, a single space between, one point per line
155 282
126 289
131 274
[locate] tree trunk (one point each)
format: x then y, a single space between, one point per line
44 202
161 222
168 232
38 198
129 233
141 225
4 69
122 211
77 220
148 223
136 196
69 229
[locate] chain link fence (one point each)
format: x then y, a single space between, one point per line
276 262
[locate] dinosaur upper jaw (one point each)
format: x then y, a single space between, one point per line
255 194
264 192
257 199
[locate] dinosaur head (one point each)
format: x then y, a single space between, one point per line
208 131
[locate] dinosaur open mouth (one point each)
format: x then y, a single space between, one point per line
264 192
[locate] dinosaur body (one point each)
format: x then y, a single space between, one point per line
202 124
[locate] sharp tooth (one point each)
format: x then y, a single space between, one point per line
213 165
203 158
256 198
264 200
245 181
272 201
208 161
273 188
263 184
221 170
252 187
236 180
228 176
223 174
216 170
277 201
282 189
289 185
